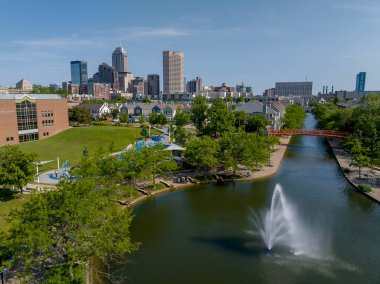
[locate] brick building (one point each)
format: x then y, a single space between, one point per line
31 117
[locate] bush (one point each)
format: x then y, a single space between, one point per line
365 187
101 123
346 170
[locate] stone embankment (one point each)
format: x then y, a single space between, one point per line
370 177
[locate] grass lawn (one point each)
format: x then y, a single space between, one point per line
9 200
69 144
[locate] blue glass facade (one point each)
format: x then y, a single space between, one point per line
79 72
360 82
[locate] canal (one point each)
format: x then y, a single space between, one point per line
200 235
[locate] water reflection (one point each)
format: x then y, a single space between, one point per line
198 235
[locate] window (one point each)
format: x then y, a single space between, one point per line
26 115
46 113
28 137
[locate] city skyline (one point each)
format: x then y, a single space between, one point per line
260 44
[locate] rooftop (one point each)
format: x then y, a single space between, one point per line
31 96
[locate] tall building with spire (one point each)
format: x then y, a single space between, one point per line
173 68
120 60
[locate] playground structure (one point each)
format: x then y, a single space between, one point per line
156 139
65 169
40 163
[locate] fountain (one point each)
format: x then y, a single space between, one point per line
281 225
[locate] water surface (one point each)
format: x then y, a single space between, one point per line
199 235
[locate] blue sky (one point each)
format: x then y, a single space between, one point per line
258 42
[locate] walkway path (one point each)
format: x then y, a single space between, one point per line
368 176
266 171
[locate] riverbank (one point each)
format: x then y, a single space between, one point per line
368 176
265 172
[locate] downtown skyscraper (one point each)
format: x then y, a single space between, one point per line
173 71
153 85
360 82
120 60
79 74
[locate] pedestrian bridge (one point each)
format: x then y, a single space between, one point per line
308 132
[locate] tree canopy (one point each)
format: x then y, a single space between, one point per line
181 118
80 115
16 167
294 117
202 152
362 121
221 118
54 236
198 112
157 118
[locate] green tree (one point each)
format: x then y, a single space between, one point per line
202 152
157 118
142 118
240 100
241 118
256 123
157 160
16 167
181 118
80 115
132 165
123 117
182 136
54 237
357 155
234 150
198 112
115 113
221 118
260 150
294 117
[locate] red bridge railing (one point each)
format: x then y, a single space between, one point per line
308 132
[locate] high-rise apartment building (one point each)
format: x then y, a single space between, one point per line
79 72
138 86
360 82
153 85
173 70
194 86
284 89
120 60
24 85
125 81
108 75
269 92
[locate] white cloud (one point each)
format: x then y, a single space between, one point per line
367 8
62 42
137 32
359 55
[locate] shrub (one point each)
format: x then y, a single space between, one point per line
346 170
365 187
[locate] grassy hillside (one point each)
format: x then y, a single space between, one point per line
69 144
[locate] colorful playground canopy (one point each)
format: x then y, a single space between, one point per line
175 147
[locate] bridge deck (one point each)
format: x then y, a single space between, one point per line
309 132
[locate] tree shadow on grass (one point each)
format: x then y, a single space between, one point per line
7 195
